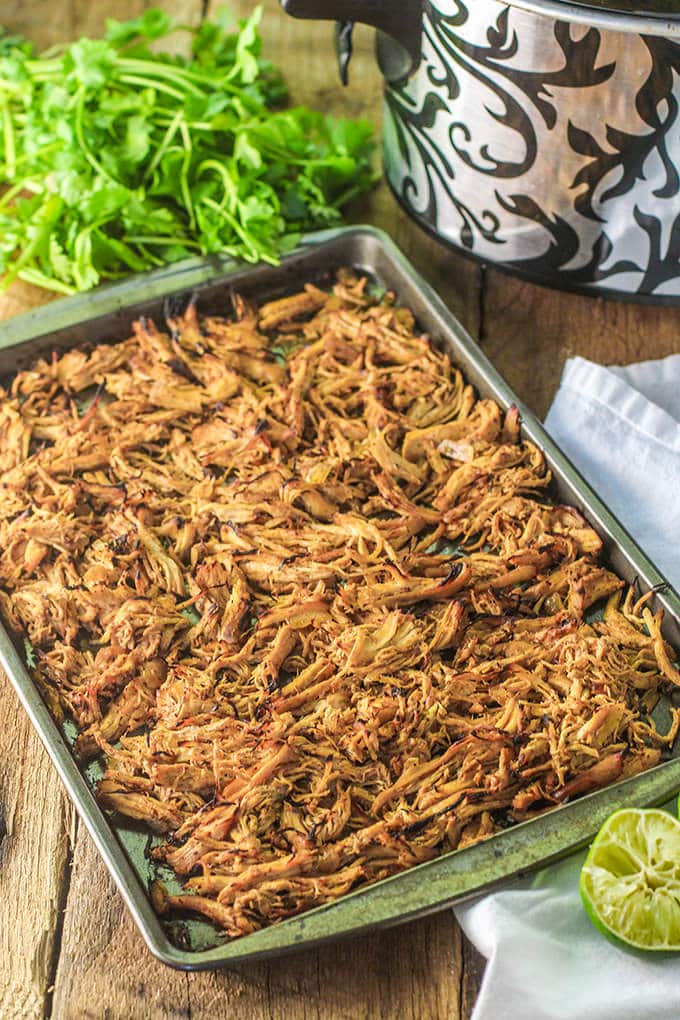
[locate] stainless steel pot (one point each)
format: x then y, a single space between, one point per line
538 135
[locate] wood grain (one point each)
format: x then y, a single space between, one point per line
36 818
35 822
530 331
19 297
409 973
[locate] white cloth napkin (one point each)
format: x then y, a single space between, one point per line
621 428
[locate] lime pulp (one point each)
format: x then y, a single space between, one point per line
630 882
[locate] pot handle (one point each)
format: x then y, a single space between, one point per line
402 20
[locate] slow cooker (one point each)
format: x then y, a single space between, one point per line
537 135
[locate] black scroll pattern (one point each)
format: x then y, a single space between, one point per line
585 246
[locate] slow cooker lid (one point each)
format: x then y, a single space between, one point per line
641 17
659 8
655 17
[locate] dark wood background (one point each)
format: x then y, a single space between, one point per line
68 948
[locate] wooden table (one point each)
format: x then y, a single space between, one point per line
67 945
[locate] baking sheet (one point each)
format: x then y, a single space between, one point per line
107 314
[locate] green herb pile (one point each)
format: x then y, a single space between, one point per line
116 159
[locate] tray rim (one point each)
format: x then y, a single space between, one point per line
494 861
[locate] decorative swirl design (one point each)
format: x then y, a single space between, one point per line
532 143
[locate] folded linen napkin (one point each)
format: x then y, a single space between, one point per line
545 960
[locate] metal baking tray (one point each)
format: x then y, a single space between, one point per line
107 314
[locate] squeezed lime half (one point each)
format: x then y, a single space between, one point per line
630 882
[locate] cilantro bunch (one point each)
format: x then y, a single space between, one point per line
115 158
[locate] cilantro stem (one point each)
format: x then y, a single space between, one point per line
158 239
53 51
11 193
120 249
150 83
184 174
154 260
115 158
149 69
239 231
33 186
41 66
221 171
80 135
39 279
41 227
349 193
8 142
27 156
163 147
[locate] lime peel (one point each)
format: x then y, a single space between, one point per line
630 881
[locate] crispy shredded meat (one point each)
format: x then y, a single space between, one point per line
311 599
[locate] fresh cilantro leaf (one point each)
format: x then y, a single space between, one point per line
115 159
152 24
89 62
248 47
137 140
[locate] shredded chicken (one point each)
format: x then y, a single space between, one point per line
311 600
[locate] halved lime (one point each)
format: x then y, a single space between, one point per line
630 882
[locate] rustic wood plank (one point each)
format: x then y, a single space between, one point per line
47 22
36 818
529 332
473 972
408 973
42 21
19 297
35 821
104 969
